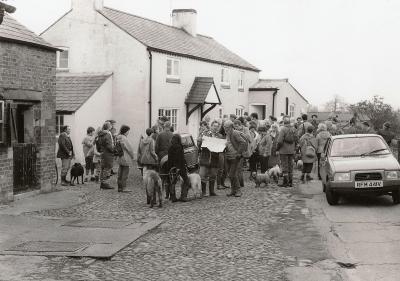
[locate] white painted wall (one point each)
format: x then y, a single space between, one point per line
287 91
173 95
93 113
97 45
261 97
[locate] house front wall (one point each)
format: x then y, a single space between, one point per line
97 45
28 68
92 113
169 95
287 91
257 99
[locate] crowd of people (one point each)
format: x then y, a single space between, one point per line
257 145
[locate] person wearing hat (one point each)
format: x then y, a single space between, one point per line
387 133
308 147
235 146
125 160
314 122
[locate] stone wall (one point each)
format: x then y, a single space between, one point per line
30 68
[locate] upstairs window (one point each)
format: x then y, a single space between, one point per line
173 68
59 123
241 80
63 58
225 80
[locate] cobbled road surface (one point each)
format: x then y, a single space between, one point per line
254 237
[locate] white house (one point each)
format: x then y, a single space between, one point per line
82 100
158 69
272 97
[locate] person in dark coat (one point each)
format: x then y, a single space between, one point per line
387 133
176 159
65 152
106 148
287 141
163 141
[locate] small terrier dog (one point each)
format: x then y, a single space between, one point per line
76 172
274 173
261 178
153 184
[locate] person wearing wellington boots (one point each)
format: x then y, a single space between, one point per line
176 159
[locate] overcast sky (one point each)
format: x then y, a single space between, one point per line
345 47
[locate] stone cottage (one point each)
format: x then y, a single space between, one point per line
27 111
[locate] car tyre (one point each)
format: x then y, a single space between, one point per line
396 197
331 196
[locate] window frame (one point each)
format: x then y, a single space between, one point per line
173 75
292 112
2 122
58 123
239 111
225 72
241 80
59 57
162 111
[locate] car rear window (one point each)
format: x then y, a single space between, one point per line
187 142
358 146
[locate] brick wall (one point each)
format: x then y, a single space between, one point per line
30 68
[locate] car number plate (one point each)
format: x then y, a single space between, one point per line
369 184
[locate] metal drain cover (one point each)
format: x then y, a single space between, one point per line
100 224
49 246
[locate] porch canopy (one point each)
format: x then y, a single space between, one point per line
202 93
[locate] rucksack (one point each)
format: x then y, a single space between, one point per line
290 136
247 152
97 143
118 151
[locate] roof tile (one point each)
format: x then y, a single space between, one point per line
73 90
170 39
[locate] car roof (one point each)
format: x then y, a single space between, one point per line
347 136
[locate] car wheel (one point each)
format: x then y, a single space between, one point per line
396 197
331 196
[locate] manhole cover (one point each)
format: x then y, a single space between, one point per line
101 223
48 246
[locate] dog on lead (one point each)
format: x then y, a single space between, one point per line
153 185
76 172
274 173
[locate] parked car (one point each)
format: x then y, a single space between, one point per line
191 152
359 164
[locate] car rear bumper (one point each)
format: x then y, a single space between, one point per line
349 187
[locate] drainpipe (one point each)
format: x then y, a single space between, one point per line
150 87
273 102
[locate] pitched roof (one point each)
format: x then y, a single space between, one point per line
269 84
11 30
73 90
165 38
200 89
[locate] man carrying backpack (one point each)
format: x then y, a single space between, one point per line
287 140
105 145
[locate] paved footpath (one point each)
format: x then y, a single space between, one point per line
267 234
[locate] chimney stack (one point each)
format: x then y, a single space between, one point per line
87 4
185 19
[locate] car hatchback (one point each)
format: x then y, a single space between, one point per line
359 164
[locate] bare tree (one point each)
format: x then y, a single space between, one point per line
337 104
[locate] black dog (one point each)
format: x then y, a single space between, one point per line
76 172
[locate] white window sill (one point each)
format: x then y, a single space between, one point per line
62 70
175 80
225 86
241 89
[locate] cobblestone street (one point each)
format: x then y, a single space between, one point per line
254 237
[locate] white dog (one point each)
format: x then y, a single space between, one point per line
195 185
274 173
299 165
